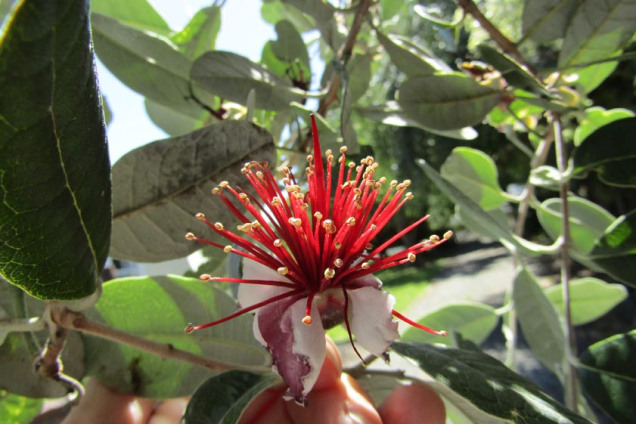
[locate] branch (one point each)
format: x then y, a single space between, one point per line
77 321
344 55
502 41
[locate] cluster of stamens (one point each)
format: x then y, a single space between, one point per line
319 235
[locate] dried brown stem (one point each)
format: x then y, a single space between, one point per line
68 319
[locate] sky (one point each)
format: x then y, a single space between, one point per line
130 126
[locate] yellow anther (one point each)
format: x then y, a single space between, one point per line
351 221
227 249
448 234
283 270
218 226
330 273
260 175
215 190
223 184
278 242
199 216
411 257
365 265
434 238
189 236
297 222
205 277
310 158
307 320
318 216
339 263
343 149
338 245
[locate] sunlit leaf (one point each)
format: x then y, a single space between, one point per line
475 174
54 168
488 384
199 35
590 298
587 220
223 398
473 321
16 409
407 58
596 118
608 375
158 309
447 101
610 151
160 186
539 321
511 71
135 13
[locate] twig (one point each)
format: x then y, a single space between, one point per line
77 321
502 41
571 378
22 325
344 55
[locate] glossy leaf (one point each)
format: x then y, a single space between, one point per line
596 31
135 13
392 114
472 320
547 177
587 220
290 49
615 251
546 20
232 77
475 174
223 398
608 375
54 167
597 117
488 384
16 409
447 101
610 152
407 58
158 309
160 186
590 298
199 35
539 321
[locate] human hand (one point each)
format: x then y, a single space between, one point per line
335 398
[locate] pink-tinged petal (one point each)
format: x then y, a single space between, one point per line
368 280
297 350
251 294
371 319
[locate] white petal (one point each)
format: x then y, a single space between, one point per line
250 294
371 320
309 341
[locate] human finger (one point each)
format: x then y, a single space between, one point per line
413 404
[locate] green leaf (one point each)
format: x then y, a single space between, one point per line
391 113
407 58
608 375
136 13
610 152
590 298
487 223
472 320
274 11
539 321
547 177
596 31
54 168
199 35
615 251
390 8
160 186
223 398
511 71
596 118
488 384
290 48
232 77
18 409
546 20
158 309
173 121
148 63
446 101
475 174
587 220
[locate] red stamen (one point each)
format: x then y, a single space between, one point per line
346 320
416 325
